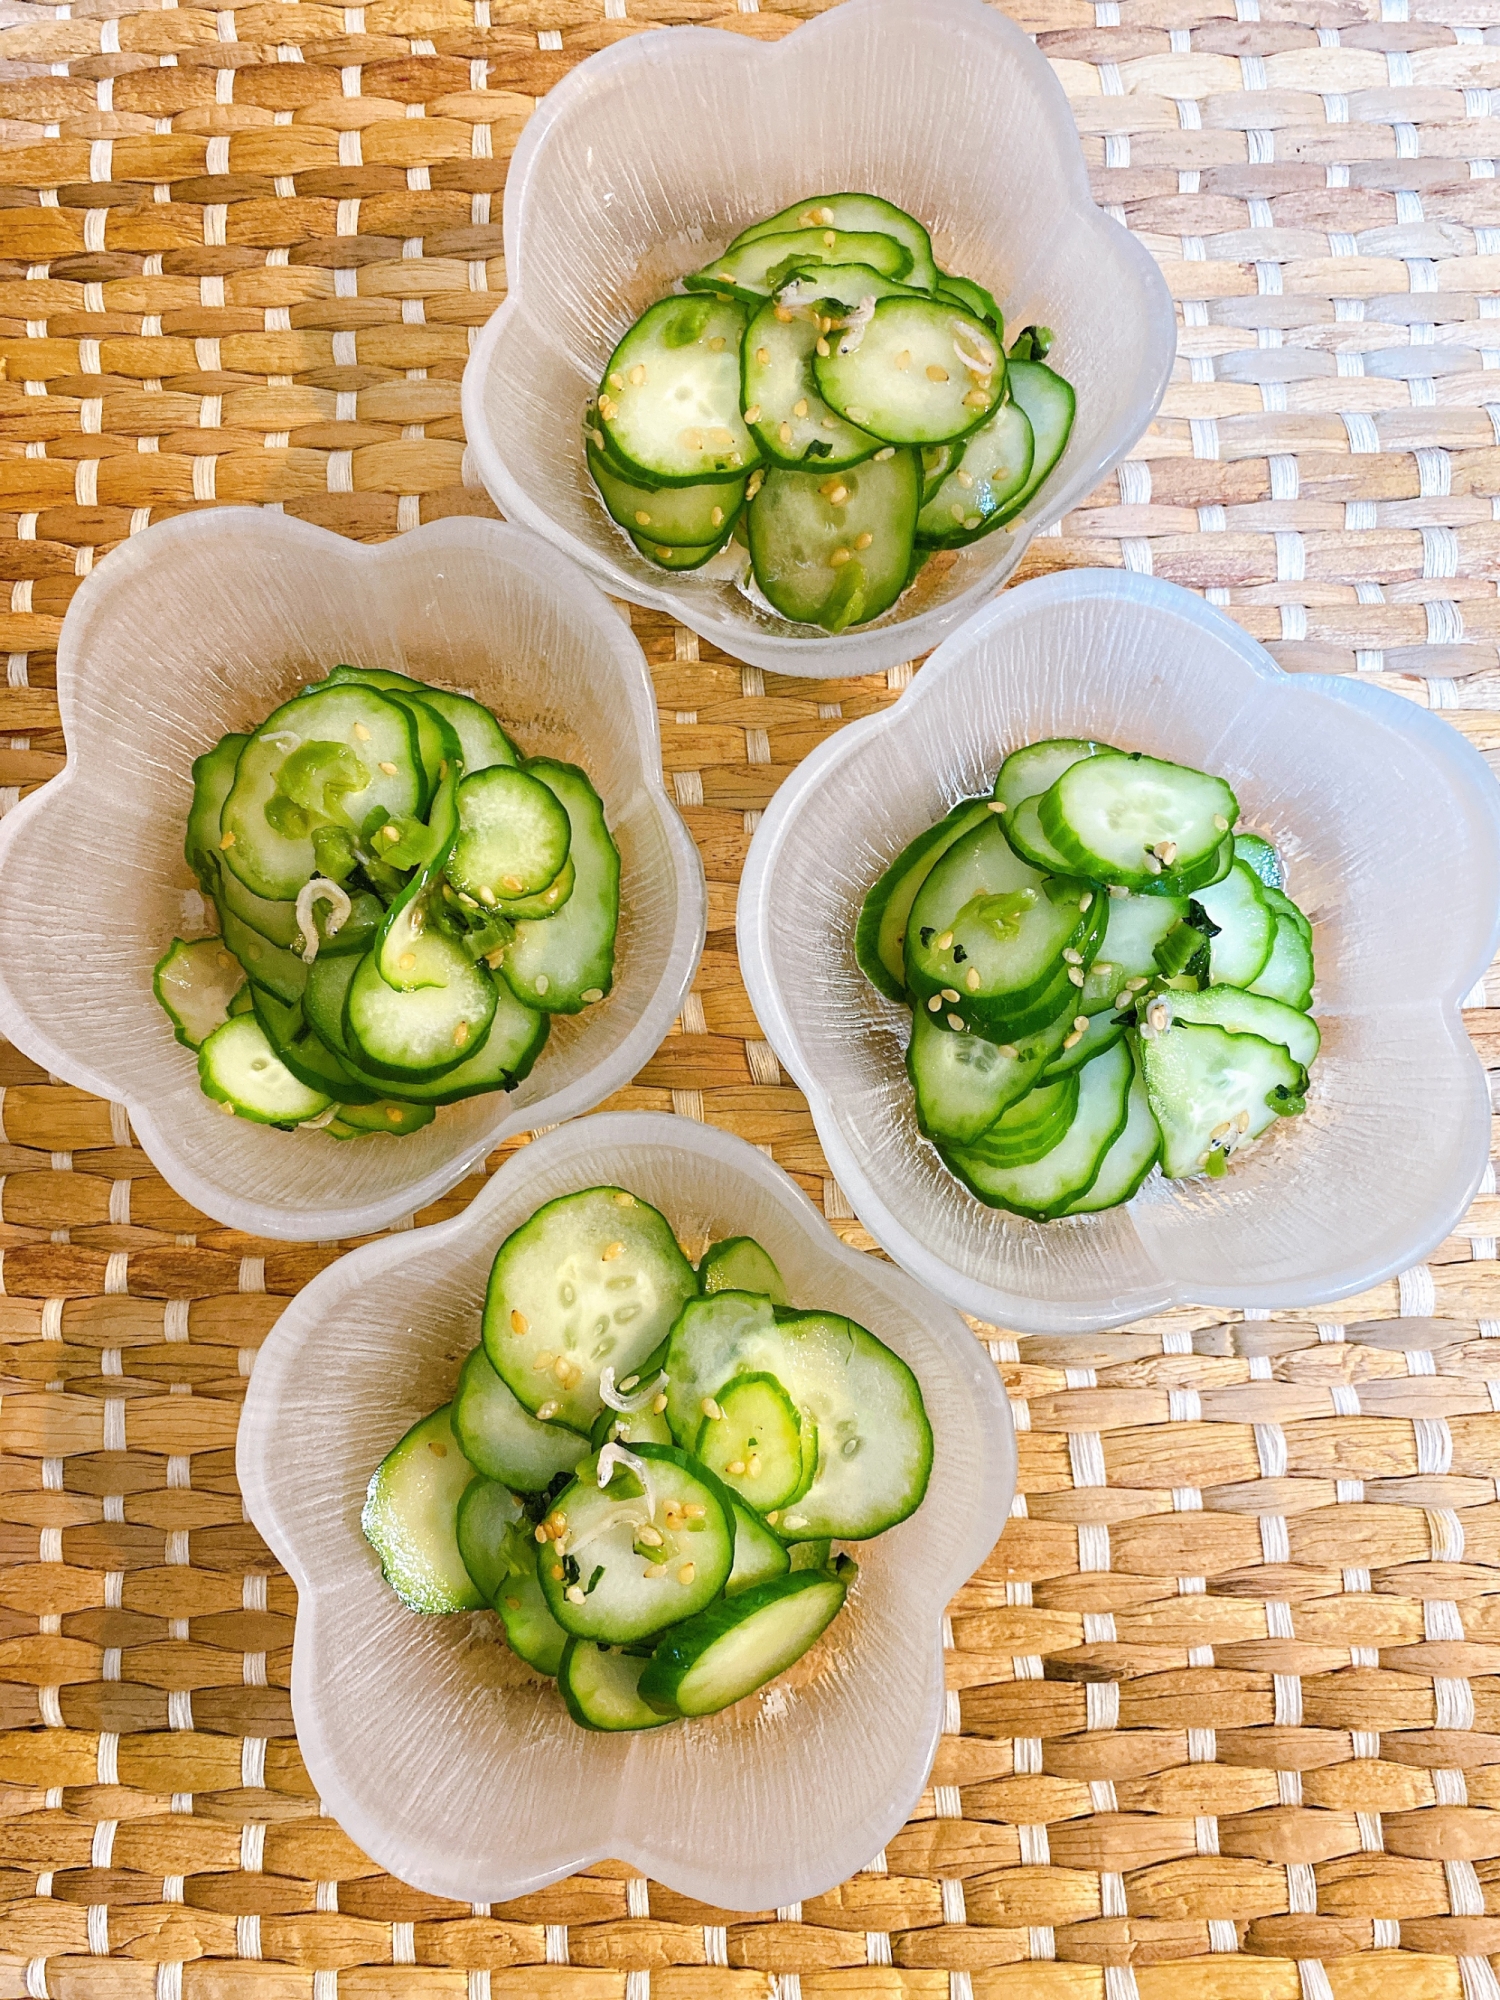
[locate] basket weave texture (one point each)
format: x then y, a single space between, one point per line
1224 1720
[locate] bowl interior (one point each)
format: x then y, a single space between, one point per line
658 154
1393 860
204 627
502 1791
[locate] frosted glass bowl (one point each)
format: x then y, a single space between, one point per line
456 1767
648 157
1390 826
203 625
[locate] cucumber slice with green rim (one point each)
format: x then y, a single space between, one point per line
516 1037
1136 926
213 779
1282 904
592 1280
283 973
691 516
513 835
1127 819
546 901
640 1553
394 1117
240 1070
859 212
1048 1186
937 463
1128 1160
832 549
437 745
629 1427
600 1685
1288 973
758 1444
531 1632
874 1440
990 931
1249 1014
1261 857
481 741
410 1518
670 401
729 1650
758 1554
278 923
1203 1081
1080 1047
566 962
329 757
487 1512
1049 404
679 556
502 1439
195 984
1023 829
790 421
880 939
922 371
810 1555
751 271
739 1264
306 1055
971 499
974 298
424 1034
963 1082
1246 927
1036 768
1030 1127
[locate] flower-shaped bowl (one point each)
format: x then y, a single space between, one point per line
1389 823
651 155
455 1766
204 624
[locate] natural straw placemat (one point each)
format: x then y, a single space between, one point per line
1225 1709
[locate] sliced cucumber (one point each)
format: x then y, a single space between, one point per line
283 973
759 1444
239 1069
922 371
1249 1014
306 1055
546 902
1136 926
880 939
1205 1081
486 1515
695 516
739 1264
1283 906
1023 829
963 1082
1051 1184
630 1427
974 298
972 497
531 1632
1128 1160
1287 974
790 421
1258 854
1030 1127
937 463
513 835
865 212
330 757
679 556
752 270
1083 1044
410 1518
592 1280
1028 772
213 779
279 924
600 1685
481 741
393 1117
1049 404
196 984
640 1553
833 549
424 1034
1246 927
758 1554
874 1440
437 745
731 1649
670 400
566 962
1126 819
502 1439
810 1555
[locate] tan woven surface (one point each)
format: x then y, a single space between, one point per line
1225 1720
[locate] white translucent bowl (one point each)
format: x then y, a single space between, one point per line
647 158
1390 826
204 624
451 1763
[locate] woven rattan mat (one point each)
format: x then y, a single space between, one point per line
1225 1708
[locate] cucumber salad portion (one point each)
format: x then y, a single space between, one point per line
826 404
403 902
645 1466
1104 976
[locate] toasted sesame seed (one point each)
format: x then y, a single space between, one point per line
548 1410
997 805
971 979
654 1570
1009 1051
394 1113
936 373
945 941
642 519
1242 1121
227 841
651 1537
949 994
784 432
1220 823
935 1004
902 360
716 344
829 239
717 517
1086 900
658 1404
512 1603
540 1532
1153 866
388 768
823 348
460 1034
557 1572
609 1253
964 478
1075 974
545 1359
710 1409
784 314
977 399
957 1023
574 1593
956 511
736 1467
1073 957
838 558
763 357
621 1199
519 1323
690 440
840 494
1080 1022
1221 1130
407 960
687 1572
1166 852
889 451
1122 1001
799 408
694 1510
562 1368
592 994
1071 1041
774 1516
542 982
